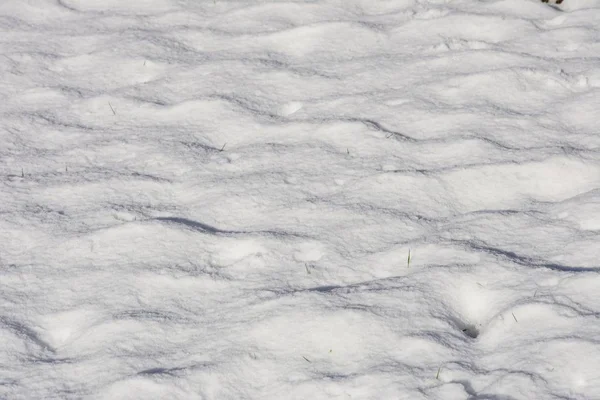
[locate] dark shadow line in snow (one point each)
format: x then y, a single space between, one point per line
323 289
451 168
195 225
173 371
446 339
568 303
161 371
483 396
170 46
149 177
523 260
24 331
8 382
67 6
335 377
292 291
369 123
534 376
150 315
502 212
303 71
374 125
148 100
493 142
192 269
375 285
590 195
473 395
50 360
245 105
200 146
371 208
53 121
468 387
455 167
205 228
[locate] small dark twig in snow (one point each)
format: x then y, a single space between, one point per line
223 148
307 269
111 108
437 376
307 359
513 314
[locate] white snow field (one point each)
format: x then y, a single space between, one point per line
217 199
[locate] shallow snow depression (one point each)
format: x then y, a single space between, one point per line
366 199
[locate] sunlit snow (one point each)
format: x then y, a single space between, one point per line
217 199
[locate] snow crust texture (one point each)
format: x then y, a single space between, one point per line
218 199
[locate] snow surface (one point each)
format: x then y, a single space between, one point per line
217 199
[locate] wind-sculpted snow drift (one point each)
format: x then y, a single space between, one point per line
218 199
